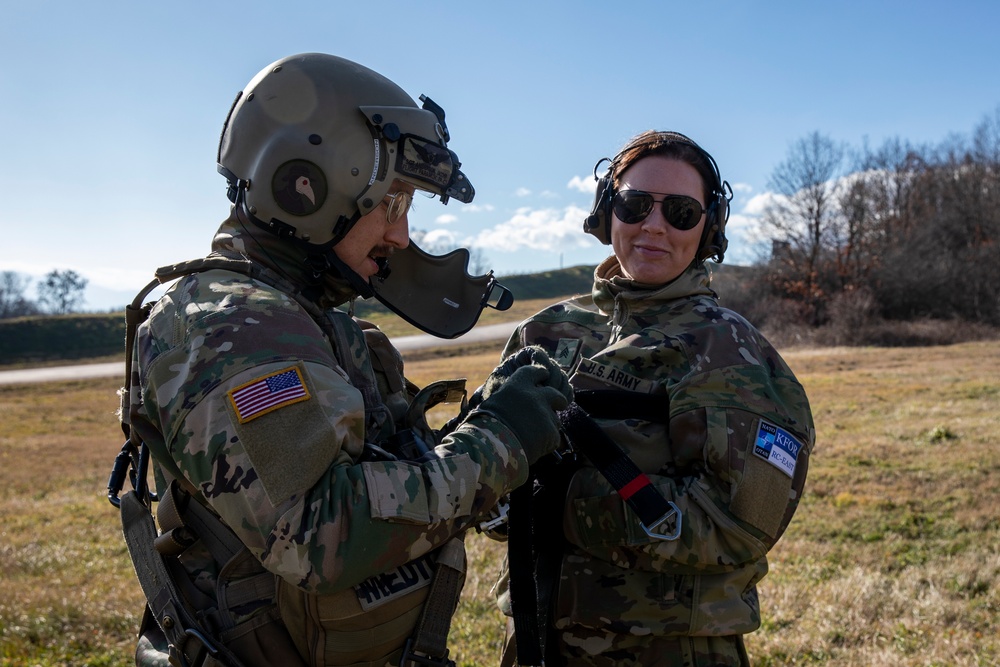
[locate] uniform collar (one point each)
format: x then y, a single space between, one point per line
610 283
286 259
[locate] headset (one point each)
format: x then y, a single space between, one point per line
713 238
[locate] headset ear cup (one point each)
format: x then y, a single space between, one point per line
598 223
714 238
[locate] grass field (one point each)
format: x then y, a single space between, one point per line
892 559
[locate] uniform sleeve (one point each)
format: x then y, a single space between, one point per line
739 440
271 439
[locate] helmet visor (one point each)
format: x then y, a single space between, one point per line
436 293
425 161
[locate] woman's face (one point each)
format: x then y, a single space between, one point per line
652 251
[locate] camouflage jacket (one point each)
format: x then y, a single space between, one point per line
242 396
730 397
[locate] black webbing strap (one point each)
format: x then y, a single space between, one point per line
631 483
531 574
528 619
620 404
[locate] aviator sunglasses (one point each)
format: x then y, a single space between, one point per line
633 206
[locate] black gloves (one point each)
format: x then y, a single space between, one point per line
525 392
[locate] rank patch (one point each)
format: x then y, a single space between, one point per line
566 352
777 446
268 393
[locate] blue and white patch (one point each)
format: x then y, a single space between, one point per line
383 588
777 446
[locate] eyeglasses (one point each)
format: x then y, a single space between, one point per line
633 206
396 205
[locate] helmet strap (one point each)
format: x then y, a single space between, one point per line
326 261
320 260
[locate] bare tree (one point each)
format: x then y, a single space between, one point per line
61 292
986 140
13 303
803 220
876 206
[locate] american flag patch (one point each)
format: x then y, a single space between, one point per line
268 393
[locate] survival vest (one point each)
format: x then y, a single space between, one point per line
182 626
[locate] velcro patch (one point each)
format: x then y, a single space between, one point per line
777 446
566 352
384 588
268 393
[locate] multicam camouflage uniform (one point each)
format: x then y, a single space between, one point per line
621 597
244 399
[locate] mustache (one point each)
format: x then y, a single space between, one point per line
383 250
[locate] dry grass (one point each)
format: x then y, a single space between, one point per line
893 558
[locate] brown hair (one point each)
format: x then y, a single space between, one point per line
667 144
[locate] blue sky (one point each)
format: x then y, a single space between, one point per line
110 112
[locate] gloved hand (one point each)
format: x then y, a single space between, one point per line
527 402
532 354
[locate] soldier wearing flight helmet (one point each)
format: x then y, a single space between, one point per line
304 516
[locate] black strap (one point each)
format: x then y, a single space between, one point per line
621 404
532 565
607 456
528 621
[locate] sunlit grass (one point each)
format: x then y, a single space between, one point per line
892 559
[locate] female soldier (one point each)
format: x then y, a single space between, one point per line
693 400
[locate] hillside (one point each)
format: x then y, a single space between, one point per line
54 338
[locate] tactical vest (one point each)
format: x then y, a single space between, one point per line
257 618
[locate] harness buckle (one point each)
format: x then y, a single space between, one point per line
496 518
656 524
411 657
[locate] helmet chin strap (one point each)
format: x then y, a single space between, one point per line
319 259
328 262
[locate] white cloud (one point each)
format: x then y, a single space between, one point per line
537 229
522 192
477 208
438 238
741 187
739 222
446 219
583 184
756 205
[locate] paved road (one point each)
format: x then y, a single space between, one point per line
480 334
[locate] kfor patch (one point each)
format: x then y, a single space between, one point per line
777 446
268 393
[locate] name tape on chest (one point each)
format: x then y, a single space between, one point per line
611 375
384 588
777 446
268 393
